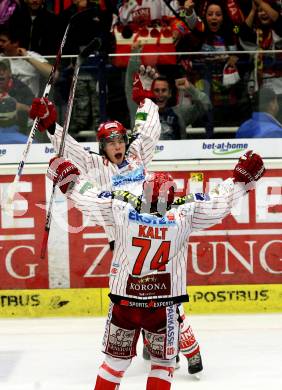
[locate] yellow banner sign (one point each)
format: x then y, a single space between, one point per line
264 298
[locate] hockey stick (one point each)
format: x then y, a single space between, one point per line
175 13
12 189
93 46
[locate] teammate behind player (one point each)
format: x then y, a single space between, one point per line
120 165
148 278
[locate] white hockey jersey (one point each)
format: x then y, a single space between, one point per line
131 173
149 263
145 11
107 175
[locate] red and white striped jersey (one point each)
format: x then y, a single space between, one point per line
150 256
145 11
131 173
107 175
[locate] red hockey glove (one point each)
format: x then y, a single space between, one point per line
249 168
63 173
142 84
45 110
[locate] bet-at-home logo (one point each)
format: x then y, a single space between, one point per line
225 148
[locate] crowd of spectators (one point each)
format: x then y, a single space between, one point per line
221 53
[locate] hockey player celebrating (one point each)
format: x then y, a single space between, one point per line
148 272
119 162
120 165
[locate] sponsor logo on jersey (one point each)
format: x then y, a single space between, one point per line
114 271
183 199
149 286
86 186
141 116
170 216
123 164
190 198
119 342
202 197
135 176
170 348
146 304
148 219
124 196
105 194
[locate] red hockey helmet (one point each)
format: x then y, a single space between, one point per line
159 187
109 130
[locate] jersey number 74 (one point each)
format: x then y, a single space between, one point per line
158 261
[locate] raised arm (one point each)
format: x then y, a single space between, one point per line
138 81
73 150
190 109
215 206
266 7
46 111
36 60
83 193
125 11
98 210
190 15
147 129
132 67
206 210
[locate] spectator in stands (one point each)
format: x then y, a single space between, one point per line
39 27
29 70
236 9
7 9
9 129
97 22
263 30
263 123
105 5
22 95
176 112
140 13
209 72
155 23
279 5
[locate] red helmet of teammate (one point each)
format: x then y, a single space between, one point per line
159 188
110 130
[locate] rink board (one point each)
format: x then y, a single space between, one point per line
229 266
94 302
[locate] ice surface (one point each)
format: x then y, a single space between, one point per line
239 352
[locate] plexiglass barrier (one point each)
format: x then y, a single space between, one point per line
200 95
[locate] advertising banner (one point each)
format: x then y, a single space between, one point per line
95 301
244 250
204 149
